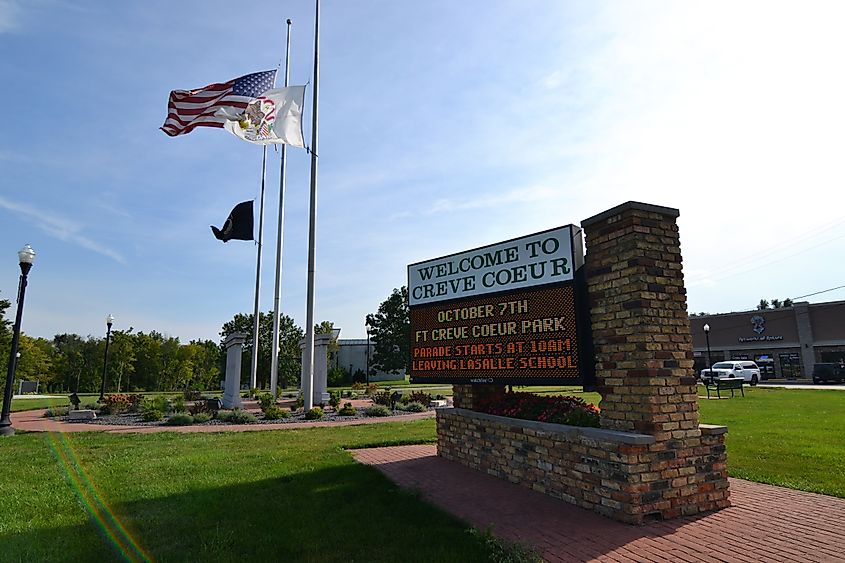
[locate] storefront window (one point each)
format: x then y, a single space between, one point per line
790 365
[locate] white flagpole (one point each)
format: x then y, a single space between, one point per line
274 362
253 375
308 361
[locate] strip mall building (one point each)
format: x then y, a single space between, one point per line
784 342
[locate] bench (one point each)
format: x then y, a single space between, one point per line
724 383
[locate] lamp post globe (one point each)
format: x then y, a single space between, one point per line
109 322
709 361
26 257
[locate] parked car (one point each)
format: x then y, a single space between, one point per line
823 373
747 371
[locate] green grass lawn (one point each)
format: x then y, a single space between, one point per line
789 437
292 495
297 495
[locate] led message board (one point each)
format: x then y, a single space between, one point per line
505 313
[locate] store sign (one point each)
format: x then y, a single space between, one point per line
767 338
506 313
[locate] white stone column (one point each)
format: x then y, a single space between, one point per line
234 345
321 368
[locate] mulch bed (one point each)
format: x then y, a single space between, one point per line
135 419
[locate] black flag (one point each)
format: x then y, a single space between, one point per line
239 224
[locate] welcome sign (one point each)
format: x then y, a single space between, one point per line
503 313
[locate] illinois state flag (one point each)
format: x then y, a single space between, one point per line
273 117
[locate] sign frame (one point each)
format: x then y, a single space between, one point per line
577 282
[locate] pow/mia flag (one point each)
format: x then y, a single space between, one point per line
239 224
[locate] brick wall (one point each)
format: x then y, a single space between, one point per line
616 474
466 396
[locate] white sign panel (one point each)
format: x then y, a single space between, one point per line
536 259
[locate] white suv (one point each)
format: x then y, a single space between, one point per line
748 371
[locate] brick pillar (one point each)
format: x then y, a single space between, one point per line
465 396
641 332
644 365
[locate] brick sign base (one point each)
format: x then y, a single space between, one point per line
651 459
621 475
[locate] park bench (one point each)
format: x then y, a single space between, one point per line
725 383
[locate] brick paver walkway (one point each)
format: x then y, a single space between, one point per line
765 523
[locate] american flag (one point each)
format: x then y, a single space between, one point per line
188 109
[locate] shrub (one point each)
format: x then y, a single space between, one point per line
372 388
180 419
556 408
347 410
420 397
115 403
382 398
336 377
405 399
414 406
314 414
265 401
378 410
334 399
90 407
135 400
192 394
199 407
201 417
237 416
179 404
300 401
275 413
358 386
152 415
53 412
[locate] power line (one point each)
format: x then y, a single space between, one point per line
816 293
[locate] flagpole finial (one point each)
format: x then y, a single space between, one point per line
289 22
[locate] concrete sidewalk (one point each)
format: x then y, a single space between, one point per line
765 523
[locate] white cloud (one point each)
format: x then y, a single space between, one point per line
9 16
60 227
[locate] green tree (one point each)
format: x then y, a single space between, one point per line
121 358
148 364
70 359
763 305
787 302
289 354
36 361
776 304
5 340
390 327
206 363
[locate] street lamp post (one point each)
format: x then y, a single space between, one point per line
109 321
709 361
368 355
25 258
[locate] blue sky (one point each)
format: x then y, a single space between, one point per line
443 126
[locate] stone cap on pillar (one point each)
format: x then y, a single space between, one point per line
630 205
234 339
319 340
